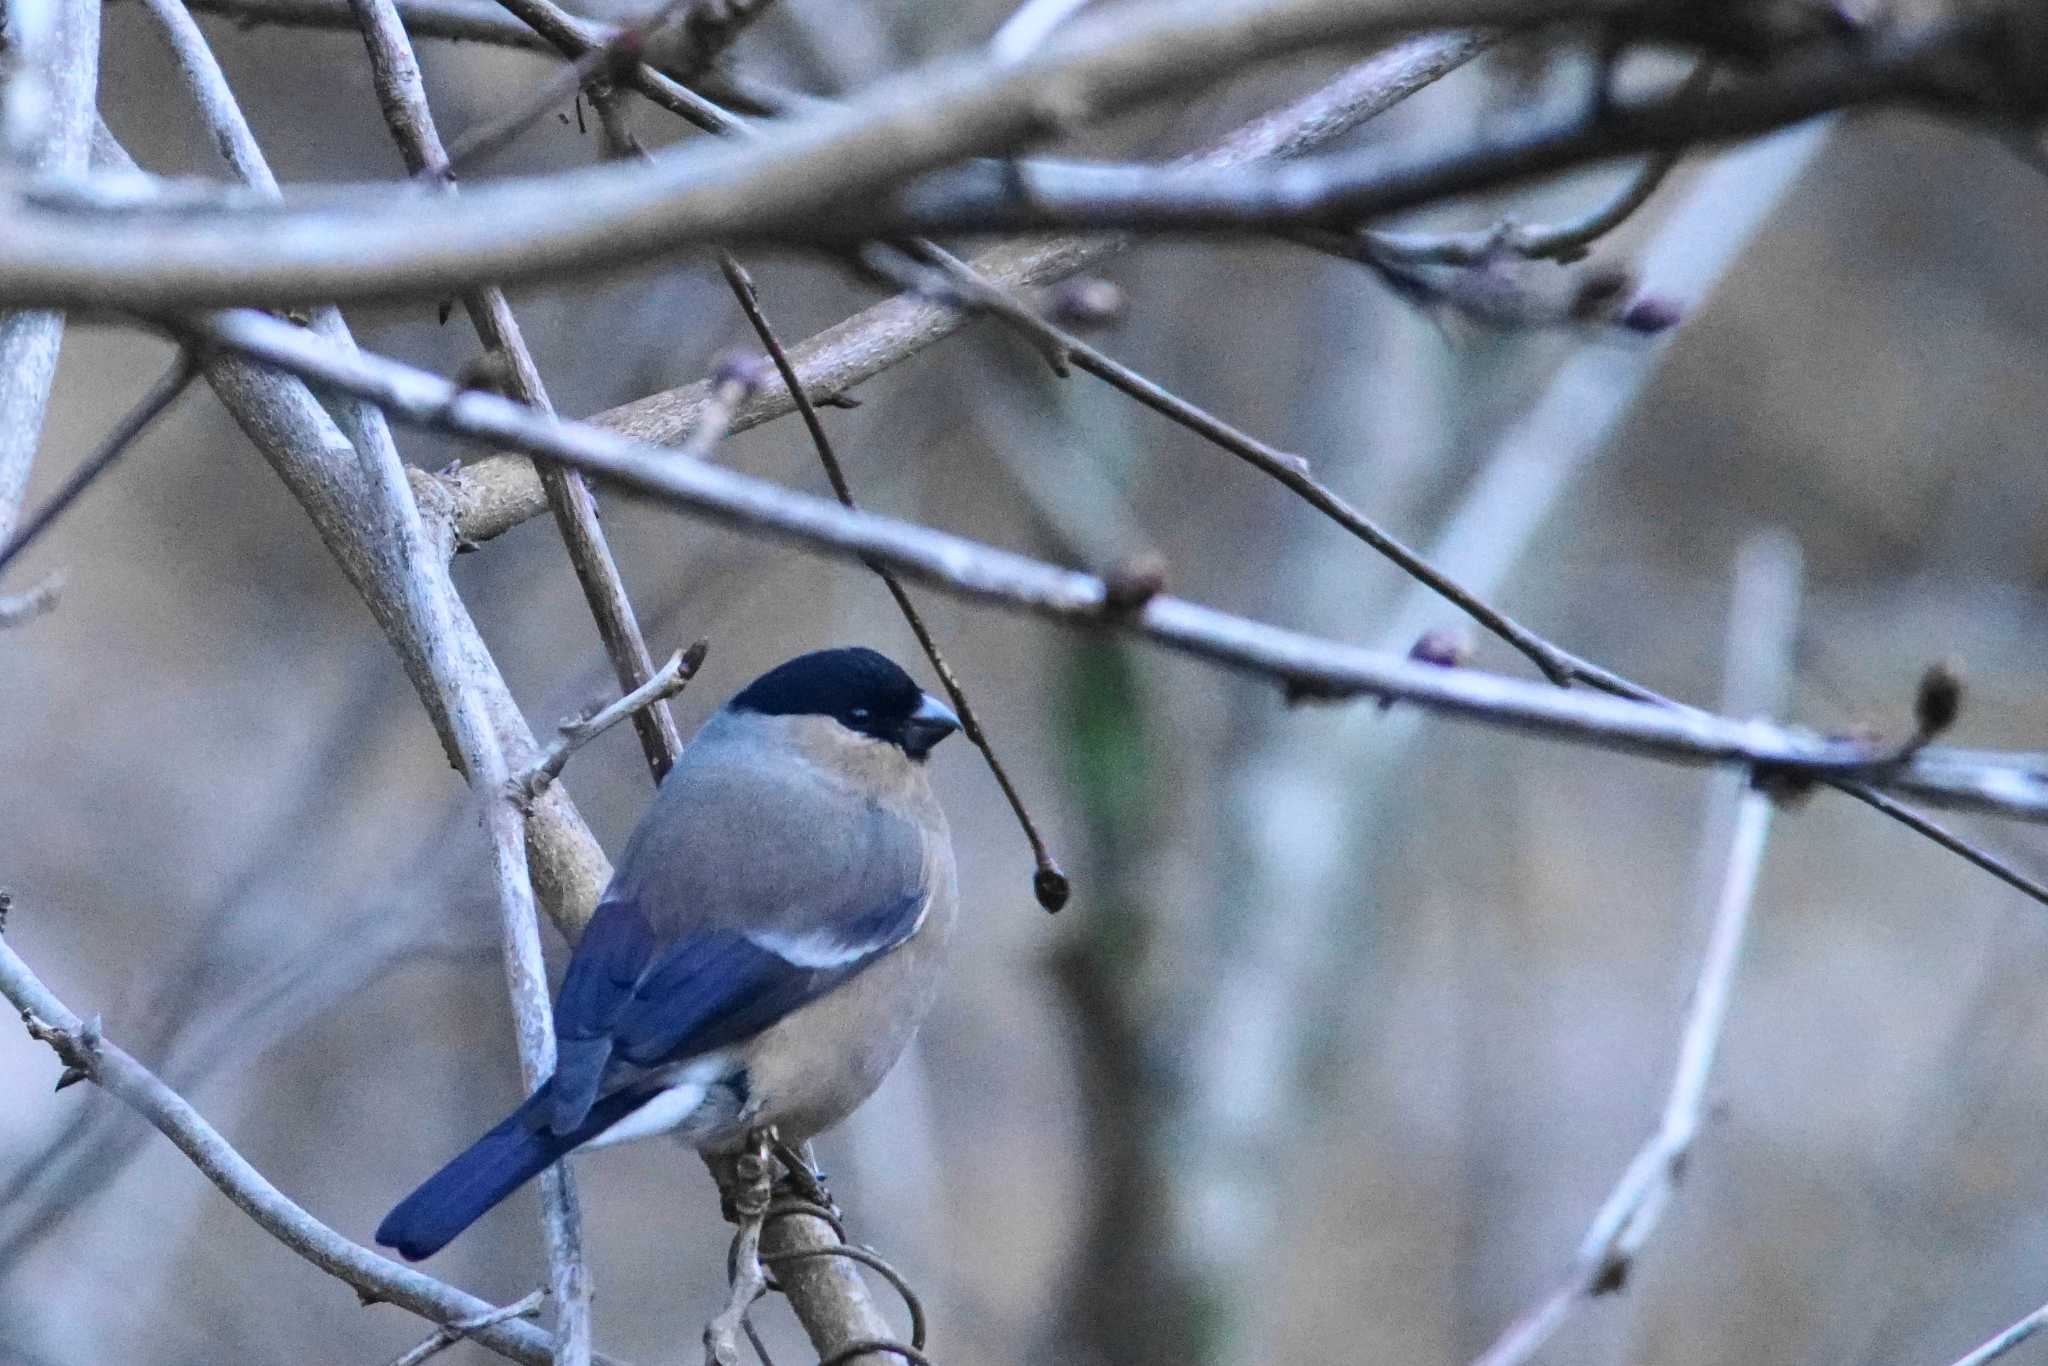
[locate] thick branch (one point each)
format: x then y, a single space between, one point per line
385 242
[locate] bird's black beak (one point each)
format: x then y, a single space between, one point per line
932 722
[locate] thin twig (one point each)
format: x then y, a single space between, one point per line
1562 241
1290 470
2004 1342
486 139
1050 883
1311 668
575 37
448 1334
1762 628
670 679
26 606
1559 665
160 396
377 1278
1566 240
402 95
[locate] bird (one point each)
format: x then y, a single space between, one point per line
769 942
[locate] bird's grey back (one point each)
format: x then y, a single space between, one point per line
741 837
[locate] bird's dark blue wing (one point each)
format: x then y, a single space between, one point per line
720 986
625 1001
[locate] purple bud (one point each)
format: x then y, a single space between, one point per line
1650 315
1087 303
1445 649
1940 698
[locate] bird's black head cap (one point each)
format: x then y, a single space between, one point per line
861 689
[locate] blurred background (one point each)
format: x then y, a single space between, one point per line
1355 1016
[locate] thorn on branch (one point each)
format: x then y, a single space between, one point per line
78 1049
1613 1275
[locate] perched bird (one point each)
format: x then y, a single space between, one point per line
768 944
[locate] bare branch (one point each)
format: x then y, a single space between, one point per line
617 51
1762 629
373 242
451 678
1564 241
451 1333
400 241
376 1278
1309 667
2004 1342
403 96
17 608
1030 24
1559 665
48 86
318 464
478 21
575 37
161 395
494 495
670 679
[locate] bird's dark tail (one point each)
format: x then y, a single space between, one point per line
462 1192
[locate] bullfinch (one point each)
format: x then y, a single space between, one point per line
769 943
